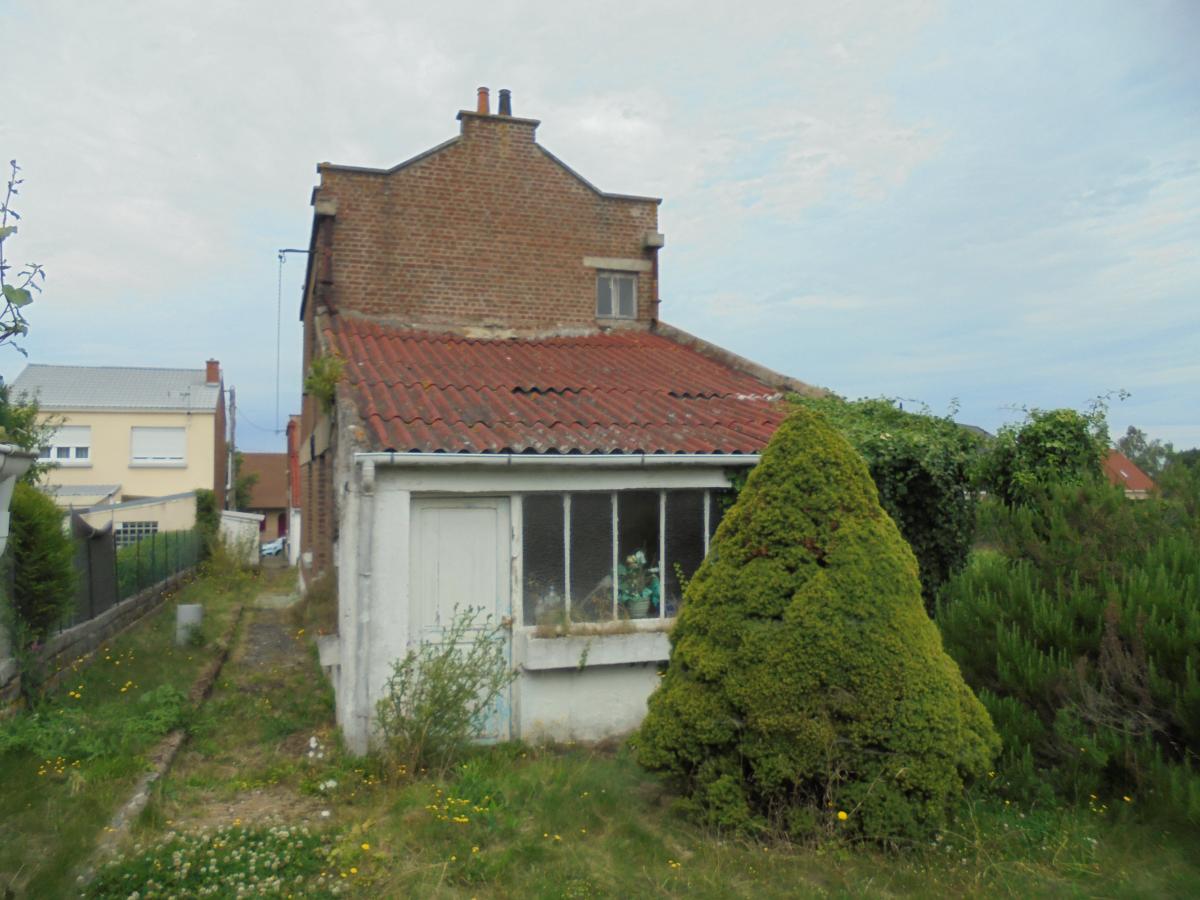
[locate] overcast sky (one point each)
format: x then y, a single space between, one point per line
994 202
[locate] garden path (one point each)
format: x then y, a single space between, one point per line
248 757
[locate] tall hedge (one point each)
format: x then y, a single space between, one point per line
806 679
1051 447
42 559
923 467
1082 635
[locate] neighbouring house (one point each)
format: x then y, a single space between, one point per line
126 435
1124 473
515 429
269 493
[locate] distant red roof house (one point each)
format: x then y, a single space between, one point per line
1121 471
269 493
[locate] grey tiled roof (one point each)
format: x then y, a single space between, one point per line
81 490
116 387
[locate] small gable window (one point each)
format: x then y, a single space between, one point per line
616 295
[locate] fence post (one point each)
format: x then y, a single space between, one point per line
137 569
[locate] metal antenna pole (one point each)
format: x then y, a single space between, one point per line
282 253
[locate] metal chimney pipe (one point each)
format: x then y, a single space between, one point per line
481 103
505 102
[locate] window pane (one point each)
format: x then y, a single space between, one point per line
591 557
721 501
638 587
542 554
62 452
44 453
81 452
627 305
604 304
685 541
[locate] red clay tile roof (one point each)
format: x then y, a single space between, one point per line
1122 472
617 392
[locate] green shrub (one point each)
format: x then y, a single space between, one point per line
441 693
1051 447
805 678
208 519
1083 640
922 466
43 569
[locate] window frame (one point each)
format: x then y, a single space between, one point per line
78 438
711 496
614 295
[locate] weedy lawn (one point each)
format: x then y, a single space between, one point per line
554 822
66 766
263 801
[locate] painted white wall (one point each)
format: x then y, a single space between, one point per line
239 531
607 697
584 705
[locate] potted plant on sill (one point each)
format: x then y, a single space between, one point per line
638 586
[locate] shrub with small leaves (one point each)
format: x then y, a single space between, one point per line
441 694
805 678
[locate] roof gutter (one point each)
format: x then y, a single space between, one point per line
585 460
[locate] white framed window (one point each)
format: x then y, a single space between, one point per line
603 556
71 445
158 446
616 295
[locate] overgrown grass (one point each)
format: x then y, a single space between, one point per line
569 822
572 822
66 765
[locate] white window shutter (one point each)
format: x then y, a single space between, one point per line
159 445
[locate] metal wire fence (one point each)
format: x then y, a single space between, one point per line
153 559
108 574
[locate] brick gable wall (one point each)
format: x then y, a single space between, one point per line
488 230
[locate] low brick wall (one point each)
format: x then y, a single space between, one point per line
85 637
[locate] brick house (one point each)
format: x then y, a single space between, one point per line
515 429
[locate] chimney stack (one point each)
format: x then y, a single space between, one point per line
481 103
212 372
505 102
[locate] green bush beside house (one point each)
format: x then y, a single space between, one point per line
806 679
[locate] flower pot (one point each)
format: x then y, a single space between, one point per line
639 609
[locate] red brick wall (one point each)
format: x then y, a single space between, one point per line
486 231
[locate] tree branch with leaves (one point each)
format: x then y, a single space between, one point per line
16 289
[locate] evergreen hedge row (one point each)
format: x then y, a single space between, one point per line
1081 634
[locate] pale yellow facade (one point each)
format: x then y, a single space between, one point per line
110 459
171 514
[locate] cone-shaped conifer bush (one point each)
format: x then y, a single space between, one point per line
806 679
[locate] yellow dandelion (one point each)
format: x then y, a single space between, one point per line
842 816
366 846
353 870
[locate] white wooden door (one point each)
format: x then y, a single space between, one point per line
461 559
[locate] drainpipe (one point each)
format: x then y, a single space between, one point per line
361 654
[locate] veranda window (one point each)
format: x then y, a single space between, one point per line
601 557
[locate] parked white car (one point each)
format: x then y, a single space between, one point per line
272 548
